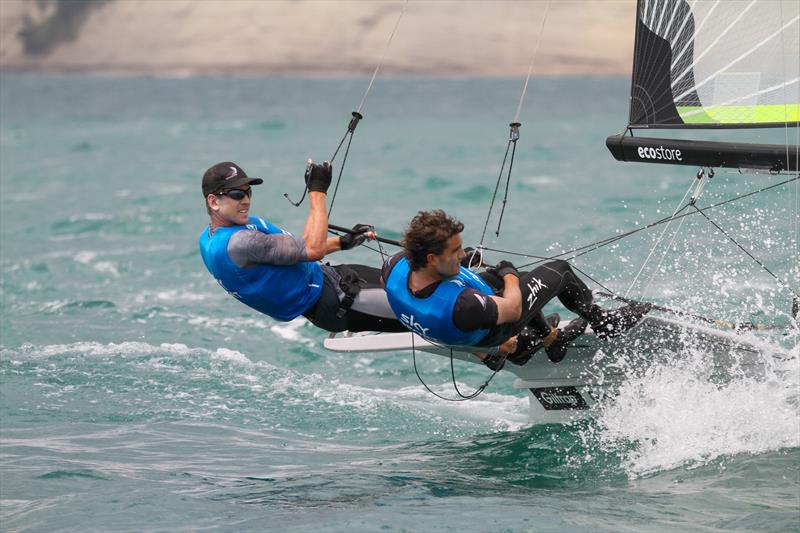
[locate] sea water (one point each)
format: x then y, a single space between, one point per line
138 396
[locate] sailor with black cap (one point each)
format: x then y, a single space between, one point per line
276 273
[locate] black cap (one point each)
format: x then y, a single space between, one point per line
225 176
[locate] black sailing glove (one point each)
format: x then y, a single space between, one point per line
495 362
318 177
473 259
359 235
504 267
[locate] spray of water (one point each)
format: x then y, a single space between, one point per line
689 409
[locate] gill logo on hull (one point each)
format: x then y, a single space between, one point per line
559 399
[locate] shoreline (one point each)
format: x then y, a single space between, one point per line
184 73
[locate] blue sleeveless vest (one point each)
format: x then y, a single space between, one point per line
432 317
282 292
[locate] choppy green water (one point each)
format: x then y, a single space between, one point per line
136 395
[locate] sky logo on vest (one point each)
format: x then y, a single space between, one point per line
409 322
232 293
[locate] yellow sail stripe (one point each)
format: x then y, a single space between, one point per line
740 114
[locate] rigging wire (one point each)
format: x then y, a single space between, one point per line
497 184
781 283
383 56
577 252
357 115
591 247
658 241
599 244
663 256
351 128
610 293
533 58
587 248
679 312
796 206
513 137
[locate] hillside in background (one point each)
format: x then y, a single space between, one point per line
318 37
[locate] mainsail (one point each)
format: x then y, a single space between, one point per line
714 64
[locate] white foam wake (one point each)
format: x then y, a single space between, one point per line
129 348
676 415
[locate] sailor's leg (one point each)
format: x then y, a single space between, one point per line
570 289
538 287
548 281
538 324
577 297
358 321
324 313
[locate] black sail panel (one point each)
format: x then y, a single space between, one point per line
651 96
716 64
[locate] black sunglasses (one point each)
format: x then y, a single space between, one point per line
236 194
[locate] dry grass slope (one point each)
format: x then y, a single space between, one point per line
319 37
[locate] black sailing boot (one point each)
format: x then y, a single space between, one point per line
608 324
528 342
558 349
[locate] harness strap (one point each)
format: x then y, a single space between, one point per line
349 283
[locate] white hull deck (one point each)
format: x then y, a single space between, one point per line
594 368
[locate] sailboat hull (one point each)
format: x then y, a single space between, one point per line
594 369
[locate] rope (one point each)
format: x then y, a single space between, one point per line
383 56
663 257
796 206
357 114
494 195
658 241
508 182
513 138
338 230
341 168
781 283
462 397
533 57
701 318
384 255
587 248
590 278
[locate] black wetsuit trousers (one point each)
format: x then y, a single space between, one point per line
370 310
554 279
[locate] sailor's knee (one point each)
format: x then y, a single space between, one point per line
559 265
